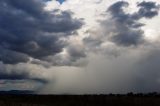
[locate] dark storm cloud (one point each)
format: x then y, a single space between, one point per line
119 15
21 76
116 9
32 7
27 30
10 57
128 37
13 76
8 72
76 52
73 56
148 9
125 34
127 28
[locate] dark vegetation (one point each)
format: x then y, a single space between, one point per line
130 99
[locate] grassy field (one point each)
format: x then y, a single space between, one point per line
80 100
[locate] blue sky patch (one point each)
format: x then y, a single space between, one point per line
60 1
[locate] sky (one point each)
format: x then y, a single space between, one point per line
61 1
80 46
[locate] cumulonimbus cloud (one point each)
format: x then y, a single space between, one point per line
27 30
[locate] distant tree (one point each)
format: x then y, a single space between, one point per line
130 94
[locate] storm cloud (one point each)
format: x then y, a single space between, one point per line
27 30
80 46
127 26
19 72
148 9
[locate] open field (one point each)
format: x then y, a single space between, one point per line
80 100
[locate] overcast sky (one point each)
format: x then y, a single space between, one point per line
80 46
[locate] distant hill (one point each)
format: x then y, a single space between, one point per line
16 92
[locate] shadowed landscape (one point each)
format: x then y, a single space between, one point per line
130 99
